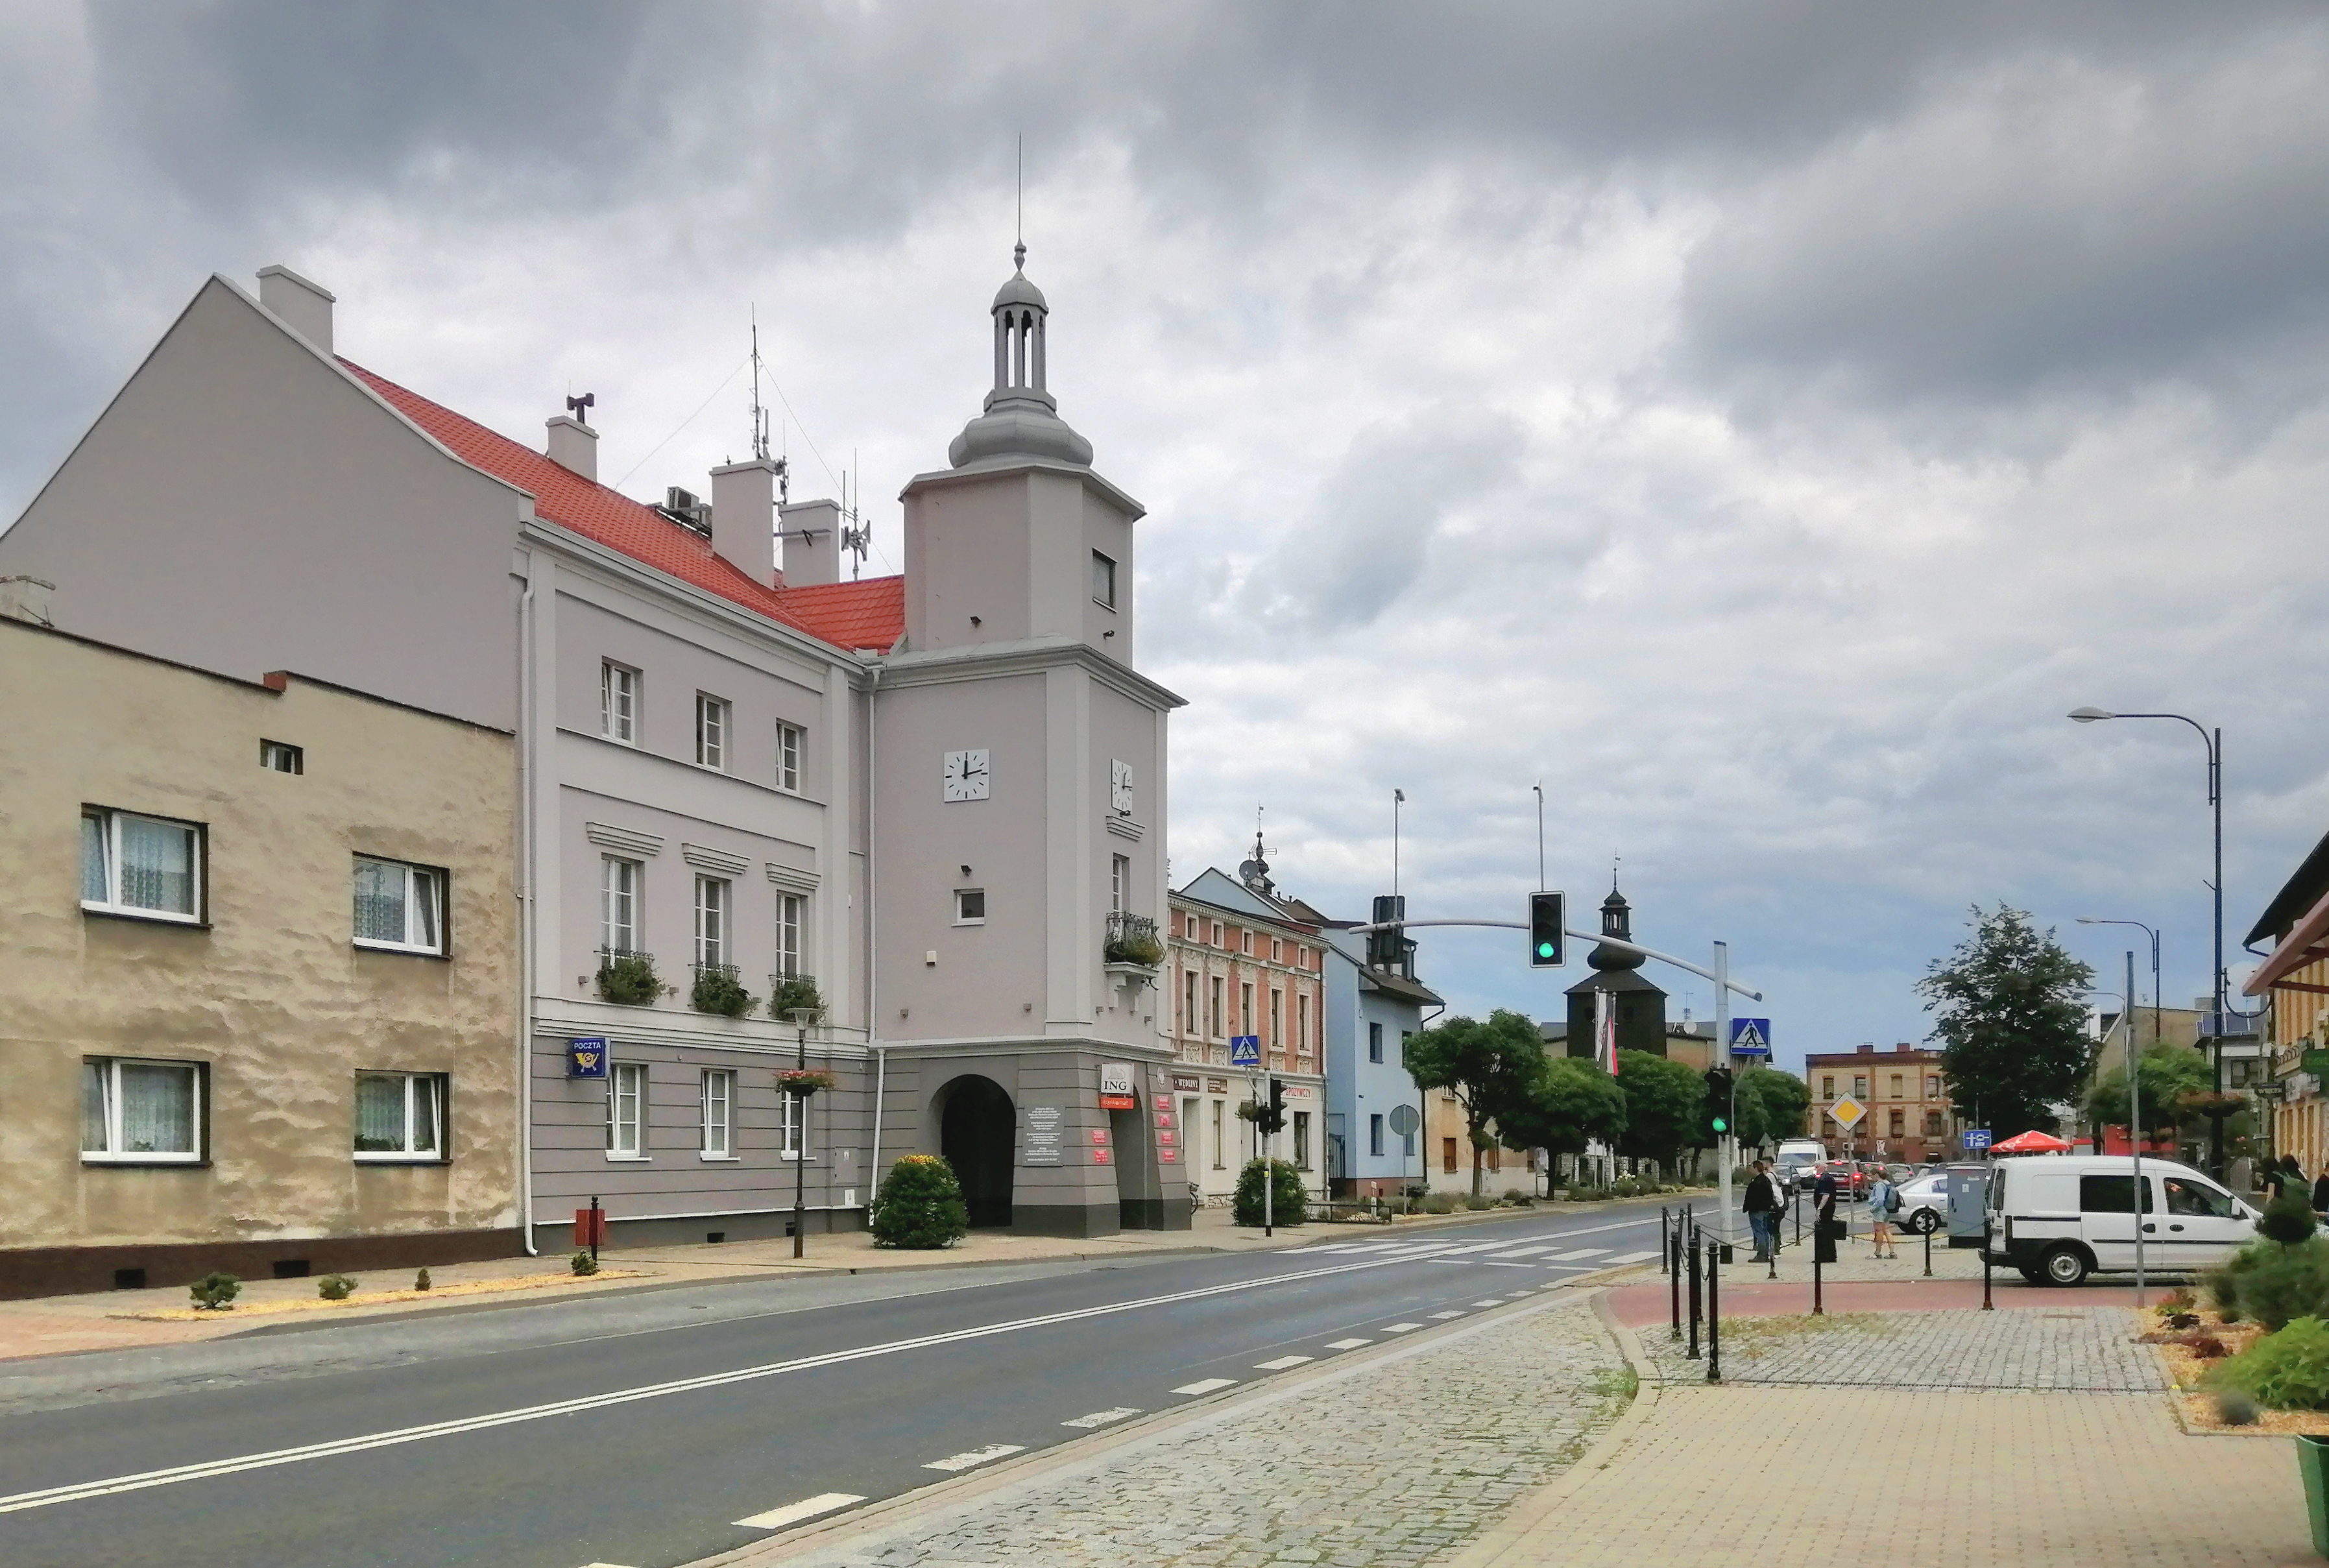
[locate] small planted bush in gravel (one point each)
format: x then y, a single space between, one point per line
215 1292
919 1206
2286 1370
582 1263
2274 1284
335 1286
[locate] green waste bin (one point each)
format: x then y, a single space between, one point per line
2312 1464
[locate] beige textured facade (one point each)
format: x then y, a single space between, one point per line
240 1006
1910 1115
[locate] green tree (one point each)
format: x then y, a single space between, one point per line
1663 1101
1569 1102
1771 1106
2009 1008
2169 1077
1488 1066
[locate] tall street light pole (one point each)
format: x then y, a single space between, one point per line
802 1019
2154 935
2214 740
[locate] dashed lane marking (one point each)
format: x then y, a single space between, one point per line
1448 1315
1524 1251
1492 1263
1282 1363
1205 1385
1101 1417
1580 1253
1347 1343
1401 1328
1499 1300
976 1457
794 1513
1474 1247
1628 1258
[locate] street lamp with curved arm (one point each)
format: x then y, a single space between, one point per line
2153 933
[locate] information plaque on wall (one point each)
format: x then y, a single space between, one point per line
1043 1133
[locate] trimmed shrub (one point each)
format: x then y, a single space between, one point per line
582 1263
715 991
1441 1204
421 1282
1480 1201
919 1206
630 980
2274 1284
215 1292
2286 1370
335 1286
1286 1197
2222 1282
2288 1219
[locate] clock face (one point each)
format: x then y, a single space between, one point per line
1120 787
964 777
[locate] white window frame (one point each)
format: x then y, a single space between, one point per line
713 918
433 1087
792 919
1119 882
632 1075
792 741
962 915
415 878
1220 1009
109 823
282 757
632 874
1189 1002
1374 1042
713 720
1218 1151
618 703
789 1110
109 1069
1375 1144
716 1102
1301 1131
1302 1041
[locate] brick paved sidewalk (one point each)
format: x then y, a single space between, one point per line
2089 1347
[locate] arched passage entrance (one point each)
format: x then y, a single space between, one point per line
976 1129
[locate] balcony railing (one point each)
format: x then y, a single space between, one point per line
718 989
628 977
1132 940
788 992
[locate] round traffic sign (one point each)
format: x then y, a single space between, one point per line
1403 1119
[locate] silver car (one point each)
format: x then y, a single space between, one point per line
1924 1203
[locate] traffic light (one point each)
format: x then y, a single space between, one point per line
1548 931
1717 1102
1273 1115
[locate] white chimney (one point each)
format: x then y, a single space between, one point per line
743 514
812 530
573 445
304 307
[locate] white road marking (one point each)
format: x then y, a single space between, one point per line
208 1469
1205 1385
1101 1417
1347 1343
1499 1300
1492 1263
1474 1247
1282 1363
1580 1253
976 1457
1448 1315
793 1513
1628 1258
1526 1252
1401 1328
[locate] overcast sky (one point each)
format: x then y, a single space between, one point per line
1759 424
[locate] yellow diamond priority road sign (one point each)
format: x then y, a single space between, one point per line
1848 1112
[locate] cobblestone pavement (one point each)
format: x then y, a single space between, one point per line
2081 1348
1383 1464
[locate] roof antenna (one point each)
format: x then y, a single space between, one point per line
760 414
578 406
856 534
1019 223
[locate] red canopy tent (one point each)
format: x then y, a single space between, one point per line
2031 1142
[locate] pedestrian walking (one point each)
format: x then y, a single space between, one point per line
2273 1181
1883 1197
1764 1208
2321 1190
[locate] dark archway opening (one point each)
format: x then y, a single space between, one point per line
976 1129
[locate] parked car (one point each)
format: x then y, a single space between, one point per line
1794 1163
1924 1203
2058 1218
1896 1173
1850 1178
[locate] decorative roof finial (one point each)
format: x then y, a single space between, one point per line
1019 256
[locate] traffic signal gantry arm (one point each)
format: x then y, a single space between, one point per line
1595 936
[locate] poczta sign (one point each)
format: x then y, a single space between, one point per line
1116 1089
586 1058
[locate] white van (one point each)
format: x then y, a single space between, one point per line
2058 1218
1798 1157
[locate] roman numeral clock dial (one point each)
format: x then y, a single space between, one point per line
964 776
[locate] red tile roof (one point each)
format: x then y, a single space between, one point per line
866 614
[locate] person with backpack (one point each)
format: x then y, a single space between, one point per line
1883 1203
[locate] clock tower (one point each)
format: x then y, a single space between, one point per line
1017 851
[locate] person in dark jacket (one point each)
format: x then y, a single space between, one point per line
2273 1181
1763 1207
2321 1191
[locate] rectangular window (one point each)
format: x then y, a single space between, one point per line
789 1125
140 865
1495 1158
1245 1008
1276 1020
1827 1088
1218 1161
712 943
399 907
618 703
710 731
618 903
717 1098
789 758
1933 1128
2111 1195
1217 934
1447 1156
1933 1087
970 906
1860 1085
1899 1124
627 1098
1896 1086
400 1116
1302 1023
1302 1140
282 757
1213 1016
792 910
141 1112
1374 1042
1119 882
1374 1134
1188 1001
1103 580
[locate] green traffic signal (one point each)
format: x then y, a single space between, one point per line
1720 1125
1545 950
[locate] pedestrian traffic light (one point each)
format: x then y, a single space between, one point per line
1718 1101
1548 931
1273 1115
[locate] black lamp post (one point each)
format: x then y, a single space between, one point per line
798 1092
2214 740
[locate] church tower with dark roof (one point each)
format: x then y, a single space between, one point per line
1640 1006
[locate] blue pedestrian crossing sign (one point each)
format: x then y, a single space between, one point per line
1750 1036
1245 1049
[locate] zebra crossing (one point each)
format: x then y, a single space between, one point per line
1548 1255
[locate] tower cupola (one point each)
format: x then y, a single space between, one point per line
1021 418
1617 920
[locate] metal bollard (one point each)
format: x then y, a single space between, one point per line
1674 1276
1662 1238
1773 1255
1929 1251
1694 1303
1985 1268
1713 1312
1819 1307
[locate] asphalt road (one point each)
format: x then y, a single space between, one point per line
642 1431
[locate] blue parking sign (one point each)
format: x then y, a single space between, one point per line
1245 1049
586 1058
